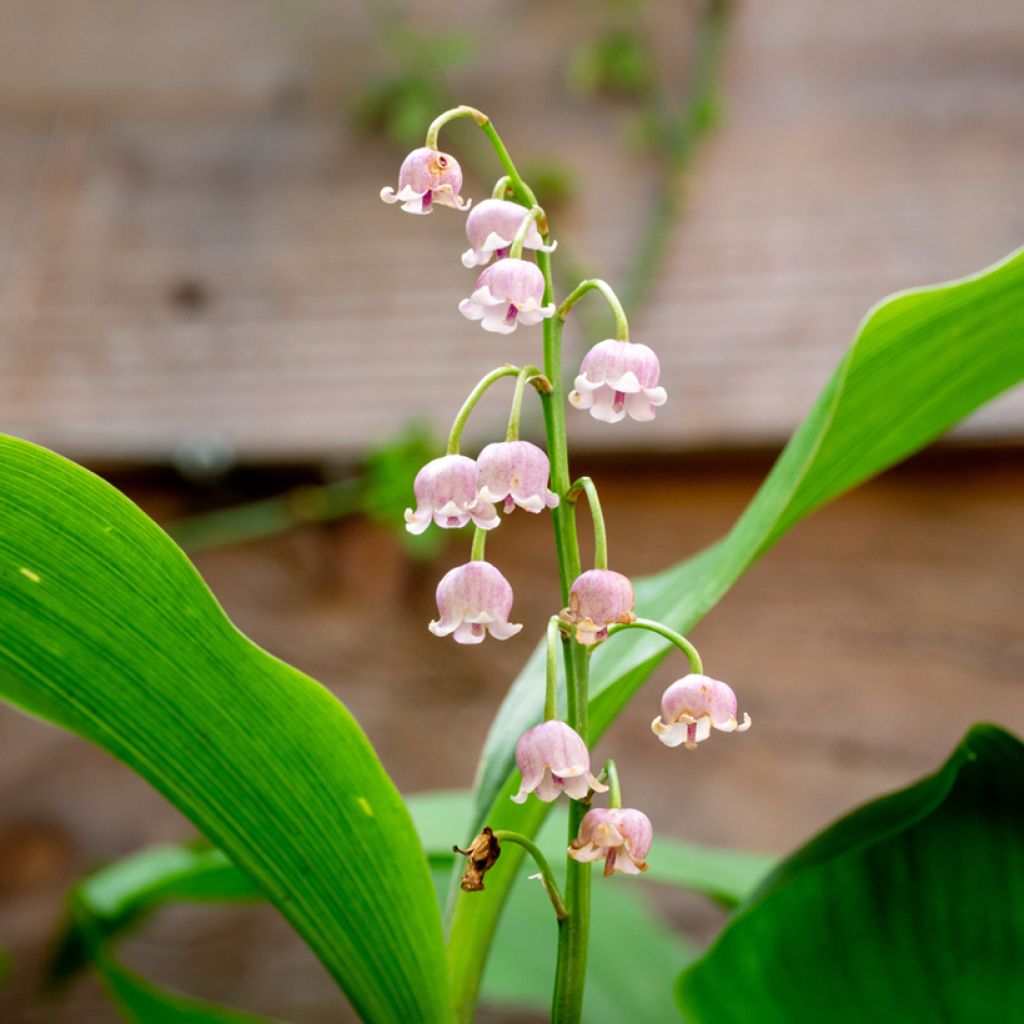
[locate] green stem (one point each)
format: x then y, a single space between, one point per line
479 543
455 436
512 433
516 249
500 187
586 486
573 931
614 787
669 634
450 115
551 676
546 874
596 284
515 180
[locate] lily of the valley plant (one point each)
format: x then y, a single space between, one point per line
617 378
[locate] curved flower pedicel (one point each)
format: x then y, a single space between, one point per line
446 491
616 378
426 178
598 598
491 228
508 293
473 600
621 835
691 706
552 757
516 473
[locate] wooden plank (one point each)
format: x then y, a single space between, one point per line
204 267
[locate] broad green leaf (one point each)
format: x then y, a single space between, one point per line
909 909
921 361
107 630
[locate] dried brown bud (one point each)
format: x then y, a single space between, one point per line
482 853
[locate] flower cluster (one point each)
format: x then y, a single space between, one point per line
617 378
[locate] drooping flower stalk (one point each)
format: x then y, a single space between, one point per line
617 378
596 284
533 375
586 486
547 876
611 774
680 641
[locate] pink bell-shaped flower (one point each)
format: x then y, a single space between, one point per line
508 293
621 835
426 178
516 473
598 598
472 600
691 706
446 491
491 227
616 378
551 758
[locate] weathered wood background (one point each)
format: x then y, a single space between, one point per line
192 258
193 255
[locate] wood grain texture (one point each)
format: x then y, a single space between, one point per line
193 259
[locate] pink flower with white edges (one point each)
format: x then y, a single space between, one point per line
552 757
491 228
616 378
426 178
516 473
472 600
691 706
598 598
446 491
621 835
508 293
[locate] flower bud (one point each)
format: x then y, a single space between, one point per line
508 293
491 228
621 835
691 706
472 600
598 598
446 491
616 378
426 178
516 473
552 757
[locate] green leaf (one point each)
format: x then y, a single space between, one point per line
122 894
922 360
909 909
107 630
141 1002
